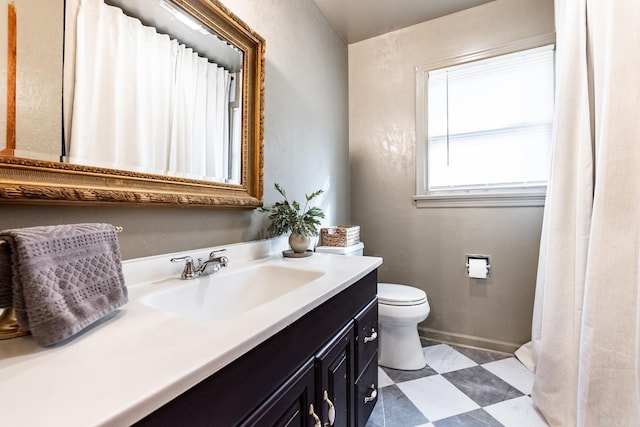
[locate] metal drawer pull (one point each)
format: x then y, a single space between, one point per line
316 420
373 395
372 337
332 410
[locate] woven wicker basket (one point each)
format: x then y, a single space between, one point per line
340 235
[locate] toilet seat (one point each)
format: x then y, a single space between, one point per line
400 295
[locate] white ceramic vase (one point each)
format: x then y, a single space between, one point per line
298 242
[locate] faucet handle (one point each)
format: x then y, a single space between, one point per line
224 261
214 254
189 268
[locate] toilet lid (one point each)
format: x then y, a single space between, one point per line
392 294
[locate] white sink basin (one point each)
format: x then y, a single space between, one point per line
223 295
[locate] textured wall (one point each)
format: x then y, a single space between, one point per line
426 247
306 140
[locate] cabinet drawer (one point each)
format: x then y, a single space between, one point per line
367 335
367 392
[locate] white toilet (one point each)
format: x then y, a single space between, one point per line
400 309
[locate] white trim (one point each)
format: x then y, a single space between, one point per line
486 200
506 48
422 198
467 340
421 132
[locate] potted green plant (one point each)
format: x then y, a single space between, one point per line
287 216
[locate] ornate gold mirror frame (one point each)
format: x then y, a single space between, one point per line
26 180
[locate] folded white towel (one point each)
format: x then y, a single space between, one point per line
62 278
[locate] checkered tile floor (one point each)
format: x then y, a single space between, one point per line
458 387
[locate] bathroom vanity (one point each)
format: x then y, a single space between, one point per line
332 350
264 362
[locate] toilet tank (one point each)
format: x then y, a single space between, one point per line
353 250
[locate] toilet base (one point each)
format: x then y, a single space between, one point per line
400 347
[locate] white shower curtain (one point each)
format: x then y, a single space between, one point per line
586 326
143 101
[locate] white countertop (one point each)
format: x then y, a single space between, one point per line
132 363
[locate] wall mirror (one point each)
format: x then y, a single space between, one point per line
152 129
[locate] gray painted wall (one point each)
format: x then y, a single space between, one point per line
306 141
426 247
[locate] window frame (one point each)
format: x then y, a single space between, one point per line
531 196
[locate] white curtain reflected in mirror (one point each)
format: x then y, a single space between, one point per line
140 100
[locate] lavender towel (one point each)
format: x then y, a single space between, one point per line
60 278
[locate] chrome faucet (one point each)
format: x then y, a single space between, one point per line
202 269
215 260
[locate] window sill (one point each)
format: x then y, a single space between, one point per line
488 200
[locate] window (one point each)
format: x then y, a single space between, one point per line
486 130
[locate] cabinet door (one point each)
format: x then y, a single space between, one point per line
289 406
366 336
335 379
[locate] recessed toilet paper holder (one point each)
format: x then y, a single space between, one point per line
487 258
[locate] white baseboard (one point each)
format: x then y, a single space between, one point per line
468 340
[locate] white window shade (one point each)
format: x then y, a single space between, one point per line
489 123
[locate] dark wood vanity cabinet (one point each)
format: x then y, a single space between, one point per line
289 406
333 348
326 379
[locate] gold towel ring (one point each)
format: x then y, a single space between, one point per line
9 325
